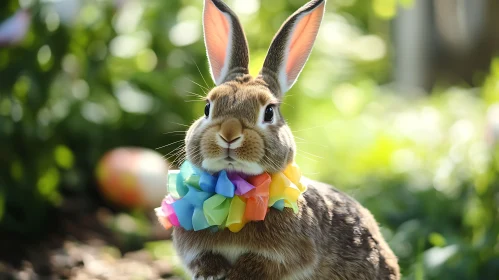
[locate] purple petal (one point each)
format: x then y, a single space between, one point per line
242 186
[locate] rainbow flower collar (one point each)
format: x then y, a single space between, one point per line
199 200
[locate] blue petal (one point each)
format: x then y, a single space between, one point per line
186 169
207 182
196 197
196 170
184 211
181 189
224 185
185 172
279 204
199 220
173 187
214 229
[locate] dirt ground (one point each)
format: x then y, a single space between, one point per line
79 245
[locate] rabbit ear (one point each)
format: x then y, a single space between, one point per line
225 42
291 47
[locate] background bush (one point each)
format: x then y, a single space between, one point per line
94 75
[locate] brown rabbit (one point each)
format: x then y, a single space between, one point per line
332 236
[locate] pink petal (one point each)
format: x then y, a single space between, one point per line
168 211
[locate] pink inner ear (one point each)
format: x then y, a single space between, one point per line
301 42
216 32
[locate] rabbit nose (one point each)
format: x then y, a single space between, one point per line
231 130
230 141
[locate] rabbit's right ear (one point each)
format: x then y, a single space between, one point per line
291 47
225 42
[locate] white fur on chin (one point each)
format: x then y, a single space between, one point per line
216 165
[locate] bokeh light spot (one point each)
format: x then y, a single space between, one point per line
63 157
146 60
44 55
52 21
185 33
246 7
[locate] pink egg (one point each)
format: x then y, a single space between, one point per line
133 177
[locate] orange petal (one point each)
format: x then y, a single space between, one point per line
164 222
259 180
256 208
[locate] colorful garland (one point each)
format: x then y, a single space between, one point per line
198 200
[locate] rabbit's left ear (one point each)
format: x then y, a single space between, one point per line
225 42
291 47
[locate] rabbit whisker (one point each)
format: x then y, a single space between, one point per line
314 155
176 131
270 162
200 72
195 100
196 94
202 87
308 142
169 156
309 158
180 124
169 144
175 151
309 128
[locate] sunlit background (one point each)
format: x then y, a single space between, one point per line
398 106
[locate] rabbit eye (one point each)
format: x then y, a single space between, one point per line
269 114
207 109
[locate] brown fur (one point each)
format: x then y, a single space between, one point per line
242 99
331 237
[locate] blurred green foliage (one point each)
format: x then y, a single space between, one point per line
102 74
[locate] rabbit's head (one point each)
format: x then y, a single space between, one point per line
242 129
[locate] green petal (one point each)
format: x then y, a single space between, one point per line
216 209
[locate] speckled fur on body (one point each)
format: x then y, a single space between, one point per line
332 236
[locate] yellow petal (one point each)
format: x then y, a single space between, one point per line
293 172
236 211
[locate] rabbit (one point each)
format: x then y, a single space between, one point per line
332 236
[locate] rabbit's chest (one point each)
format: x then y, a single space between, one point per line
230 253
233 252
